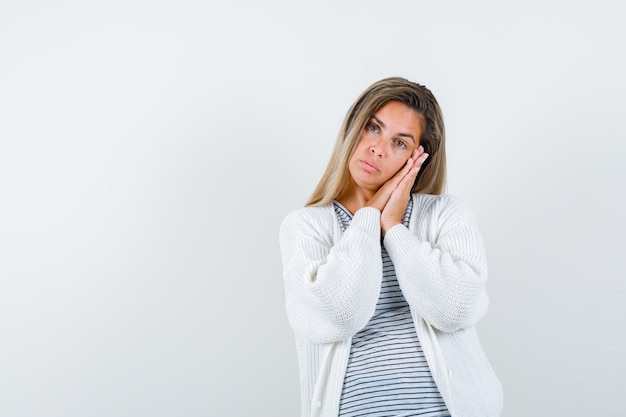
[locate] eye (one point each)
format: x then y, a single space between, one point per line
400 143
372 127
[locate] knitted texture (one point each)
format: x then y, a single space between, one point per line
332 283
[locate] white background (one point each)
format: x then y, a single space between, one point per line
149 150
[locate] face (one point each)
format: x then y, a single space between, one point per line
386 143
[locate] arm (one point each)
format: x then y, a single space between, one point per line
442 274
331 290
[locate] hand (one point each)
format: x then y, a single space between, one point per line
395 206
381 197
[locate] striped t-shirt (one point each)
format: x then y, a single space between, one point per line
387 373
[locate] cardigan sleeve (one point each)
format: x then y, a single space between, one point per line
441 268
331 287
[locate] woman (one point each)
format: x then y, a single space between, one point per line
385 275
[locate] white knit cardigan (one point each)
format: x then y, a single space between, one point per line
332 283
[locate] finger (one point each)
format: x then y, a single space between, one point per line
417 152
414 163
419 156
410 177
402 172
410 169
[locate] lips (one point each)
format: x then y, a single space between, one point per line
369 166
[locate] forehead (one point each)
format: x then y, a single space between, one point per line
395 114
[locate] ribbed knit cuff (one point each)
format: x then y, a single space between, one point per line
398 241
367 219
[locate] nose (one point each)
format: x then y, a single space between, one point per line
376 148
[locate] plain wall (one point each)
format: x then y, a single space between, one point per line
149 151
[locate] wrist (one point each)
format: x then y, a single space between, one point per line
385 226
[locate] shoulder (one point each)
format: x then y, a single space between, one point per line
441 208
439 202
309 218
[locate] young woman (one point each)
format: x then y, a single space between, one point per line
385 275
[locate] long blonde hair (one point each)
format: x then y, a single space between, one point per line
432 176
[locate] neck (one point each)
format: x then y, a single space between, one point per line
355 197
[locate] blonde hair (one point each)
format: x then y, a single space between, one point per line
432 176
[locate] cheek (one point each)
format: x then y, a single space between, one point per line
361 146
361 151
398 163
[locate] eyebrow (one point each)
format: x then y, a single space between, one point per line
406 135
